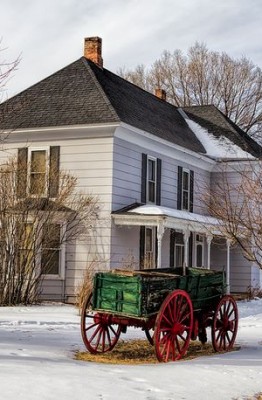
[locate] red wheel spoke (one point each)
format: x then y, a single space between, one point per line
104 339
170 313
112 329
182 337
178 346
95 333
98 338
173 350
228 308
167 349
185 317
90 327
178 307
231 312
166 319
108 336
228 338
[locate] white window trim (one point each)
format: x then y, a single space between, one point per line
30 151
62 252
147 179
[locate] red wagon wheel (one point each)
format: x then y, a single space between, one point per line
173 326
98 332
224 325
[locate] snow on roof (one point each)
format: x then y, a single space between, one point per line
151 209
217 147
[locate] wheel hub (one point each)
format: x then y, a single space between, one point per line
178 329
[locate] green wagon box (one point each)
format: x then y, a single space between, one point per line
141 293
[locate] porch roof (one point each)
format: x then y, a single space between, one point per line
153 215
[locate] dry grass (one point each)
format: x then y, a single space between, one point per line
141 352
257 396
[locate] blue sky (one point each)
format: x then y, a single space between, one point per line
49 34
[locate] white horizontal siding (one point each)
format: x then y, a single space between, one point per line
90 161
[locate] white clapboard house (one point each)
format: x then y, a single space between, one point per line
146 160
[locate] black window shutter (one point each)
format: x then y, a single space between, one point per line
21 184
54 170
142 247
143 178
172 248
158 182
179 187
191 199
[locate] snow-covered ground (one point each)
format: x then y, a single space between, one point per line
36 362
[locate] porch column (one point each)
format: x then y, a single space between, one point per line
186 234
228 266
209 240
160 233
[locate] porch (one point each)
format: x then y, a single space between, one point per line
191 236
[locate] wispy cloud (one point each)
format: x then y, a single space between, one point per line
50 34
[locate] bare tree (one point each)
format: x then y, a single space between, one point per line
235 200
33 230
205 77
6 70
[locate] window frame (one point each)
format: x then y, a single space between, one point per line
61 262
149 181
199 242
25 246
185 190
189 190
29 171
179 246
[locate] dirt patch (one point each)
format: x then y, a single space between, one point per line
141 352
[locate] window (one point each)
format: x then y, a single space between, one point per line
151 180
185 189
25 235
38 172
39 250
50 257
149 260
199 245
179 250
147 247
38 169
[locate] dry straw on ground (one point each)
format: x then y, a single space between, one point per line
141 352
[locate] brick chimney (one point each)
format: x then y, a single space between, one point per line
160 93
93 50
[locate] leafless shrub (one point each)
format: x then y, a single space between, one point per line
33 230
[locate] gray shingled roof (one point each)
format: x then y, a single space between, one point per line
83 93
210 118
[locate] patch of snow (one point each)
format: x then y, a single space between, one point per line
220 147
37 346
150 209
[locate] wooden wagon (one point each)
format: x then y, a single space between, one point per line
171 307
